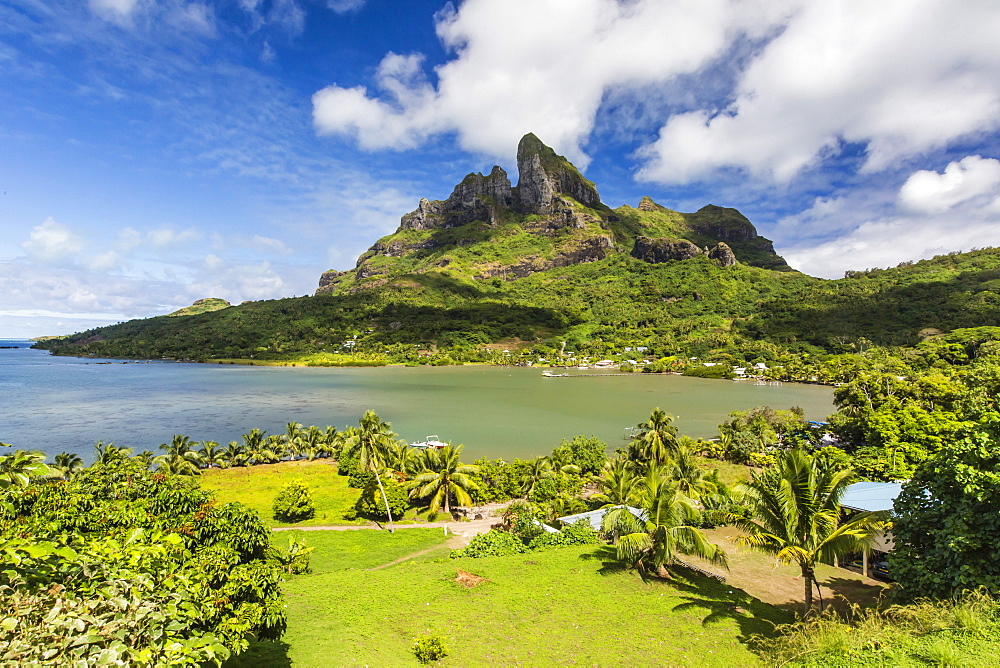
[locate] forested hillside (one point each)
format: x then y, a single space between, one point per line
546 265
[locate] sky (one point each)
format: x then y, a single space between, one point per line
154 152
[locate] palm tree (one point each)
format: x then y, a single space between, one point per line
444 478
187 464
68 463
371 443
796 513
253 442
292 439
233 455
211 453
311 443
561 460
108 453
538 469
655 441
400 457
332 440
619 484
692 479
179 445
652 543
146 457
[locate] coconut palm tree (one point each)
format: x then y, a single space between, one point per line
68 463
561 460
692 478
233 455
652 543
108 453
253 442
445 477
187 464
211 454
179 445
796 515
619 484
370 443
292 439
400 457
655 441
146 457
538 469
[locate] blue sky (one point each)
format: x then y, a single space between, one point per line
153 152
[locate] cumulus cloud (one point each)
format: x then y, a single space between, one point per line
52 242
930 192
935 213
538 66
900 78
263 244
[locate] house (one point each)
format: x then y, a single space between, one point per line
596 517
872 496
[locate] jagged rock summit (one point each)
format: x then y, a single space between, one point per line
553 217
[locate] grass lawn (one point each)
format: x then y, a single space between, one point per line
568 605
729 473
366 548
782 585
256 487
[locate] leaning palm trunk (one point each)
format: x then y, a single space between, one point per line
385 500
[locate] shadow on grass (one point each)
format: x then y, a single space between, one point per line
610 565
842 592
721 601
270 653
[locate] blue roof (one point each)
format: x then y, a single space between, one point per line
595 517
871 495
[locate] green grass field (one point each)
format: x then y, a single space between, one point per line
365 548
568 605
256 487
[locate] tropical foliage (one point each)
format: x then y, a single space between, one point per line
795 515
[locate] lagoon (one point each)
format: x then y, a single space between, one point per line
56 404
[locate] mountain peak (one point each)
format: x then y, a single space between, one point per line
543 175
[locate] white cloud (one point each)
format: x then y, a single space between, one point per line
900 77
168 236
931 192
238 282
119 11
539 66
935 213
268 245
105 261
345 6
52 243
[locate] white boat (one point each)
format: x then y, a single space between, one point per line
429 442
549 374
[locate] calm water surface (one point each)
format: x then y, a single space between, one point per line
63 403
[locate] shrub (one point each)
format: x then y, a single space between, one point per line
578 533
293 503
429 649
493 543
295 559
371 503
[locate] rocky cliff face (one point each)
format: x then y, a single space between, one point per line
552 218
543 175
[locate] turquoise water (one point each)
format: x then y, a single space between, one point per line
63 403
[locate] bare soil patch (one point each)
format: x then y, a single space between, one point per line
469 580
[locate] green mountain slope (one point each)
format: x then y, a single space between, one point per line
547 262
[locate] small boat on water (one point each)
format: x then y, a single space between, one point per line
549 374
429 442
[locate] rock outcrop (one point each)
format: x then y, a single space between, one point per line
477 197
722 255
542 175
664 250
721 223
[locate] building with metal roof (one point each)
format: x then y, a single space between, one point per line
596 517
871 496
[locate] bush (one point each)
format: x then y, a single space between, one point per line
578 533
294 560
293 503
429 649
371 503
493 543
589 453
